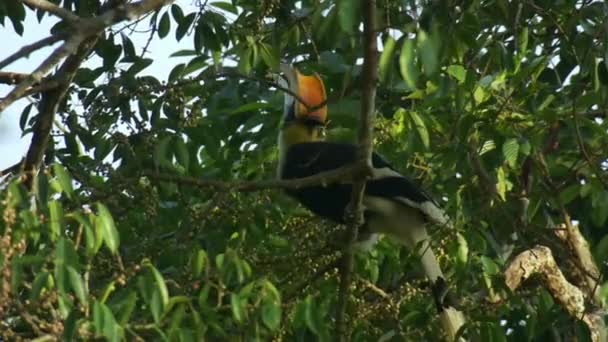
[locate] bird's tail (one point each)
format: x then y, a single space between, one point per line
417 239
406 224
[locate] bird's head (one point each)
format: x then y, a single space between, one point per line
304 115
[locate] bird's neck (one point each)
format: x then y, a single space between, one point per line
296 132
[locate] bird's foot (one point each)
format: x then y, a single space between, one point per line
443 297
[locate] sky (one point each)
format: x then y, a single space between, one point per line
12 145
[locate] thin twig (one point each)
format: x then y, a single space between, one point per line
364 159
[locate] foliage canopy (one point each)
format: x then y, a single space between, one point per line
497 107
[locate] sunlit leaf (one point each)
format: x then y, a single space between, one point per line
428 49
407 63
105 224
64 180
510 149
386 58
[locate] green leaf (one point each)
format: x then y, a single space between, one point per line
600 251
487 146
154 291
77 285
480 95
237 308
596 75
181 153
105 224
569 194
199 260
183 25
92 241
42 281
270 56
105 324
502 185
428 49
348 15
489 266
510 150
271 314
245 60
164 26
386 58
204 295
176 73
65 253
523 41
463 250
195 64
56 222
599 214
458 72
418 123
311 315
65 257
126 308
25 114
177 13
225 6
160 283
407 63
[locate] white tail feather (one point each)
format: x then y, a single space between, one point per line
407 225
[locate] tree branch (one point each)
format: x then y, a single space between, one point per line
48 107
364 159
11 77
574 240
68 48
50 7
327 177
88 27
26 50
539 260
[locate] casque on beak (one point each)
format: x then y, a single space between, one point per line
310 90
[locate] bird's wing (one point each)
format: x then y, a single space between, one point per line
307 159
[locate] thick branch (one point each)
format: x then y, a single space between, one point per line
572 237
539 261
11 77
54 9
48 107
364 158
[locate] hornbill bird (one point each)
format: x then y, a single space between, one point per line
393 204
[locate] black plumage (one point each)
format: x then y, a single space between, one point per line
329 201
